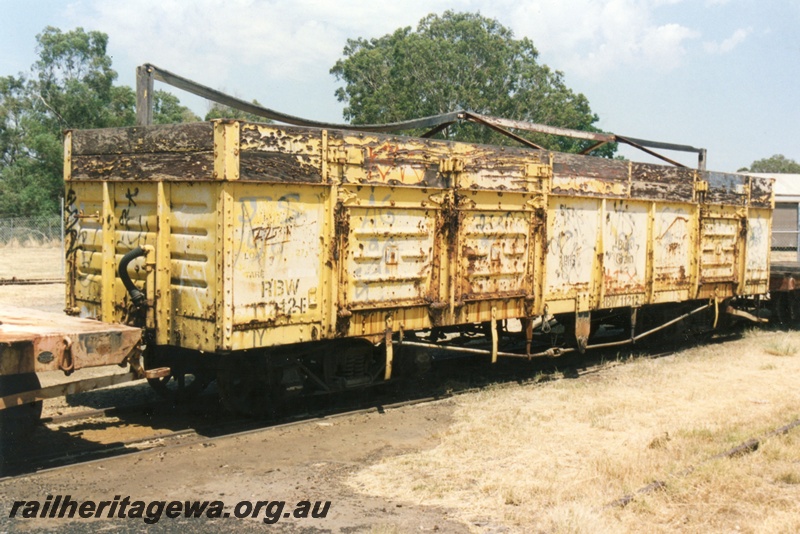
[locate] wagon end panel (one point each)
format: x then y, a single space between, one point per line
150 187
105 221
84 249
187 263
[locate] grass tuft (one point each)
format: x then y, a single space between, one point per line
789 478
783 347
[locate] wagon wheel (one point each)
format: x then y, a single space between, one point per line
781 308
246 386
794 306
18 422
186 380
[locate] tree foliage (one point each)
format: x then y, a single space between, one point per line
459 61
778 164
71 85
167 109
73 82
221 111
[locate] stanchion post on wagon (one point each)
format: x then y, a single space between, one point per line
63 250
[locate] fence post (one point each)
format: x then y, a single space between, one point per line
63 251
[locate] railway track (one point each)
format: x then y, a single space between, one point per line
14 281
63 441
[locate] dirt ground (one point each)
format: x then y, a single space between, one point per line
544 457
310 462
291 464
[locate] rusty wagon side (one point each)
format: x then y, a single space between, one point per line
258 236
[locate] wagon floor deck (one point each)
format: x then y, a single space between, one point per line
36 341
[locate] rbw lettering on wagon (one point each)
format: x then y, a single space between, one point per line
276 288
283 295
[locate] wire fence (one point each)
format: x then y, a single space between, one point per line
31 250
31 231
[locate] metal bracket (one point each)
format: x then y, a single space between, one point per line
389 351
346 155
451 165
345 196
583 325
65 361
537 170
493 325
438 199
536 202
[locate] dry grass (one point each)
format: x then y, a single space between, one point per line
550 458
31 261
782 347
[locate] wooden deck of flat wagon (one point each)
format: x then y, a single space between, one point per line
33 341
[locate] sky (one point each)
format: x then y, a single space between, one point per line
718 74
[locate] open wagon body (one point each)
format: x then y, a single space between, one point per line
300 258
256 236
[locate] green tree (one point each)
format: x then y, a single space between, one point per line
29 153
71 85
73 82
13 103
167 109
221 111
778 164
459 61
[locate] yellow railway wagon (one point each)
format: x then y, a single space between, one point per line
258 235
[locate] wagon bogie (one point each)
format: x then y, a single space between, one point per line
258 382
189 372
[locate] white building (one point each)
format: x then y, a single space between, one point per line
786 219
